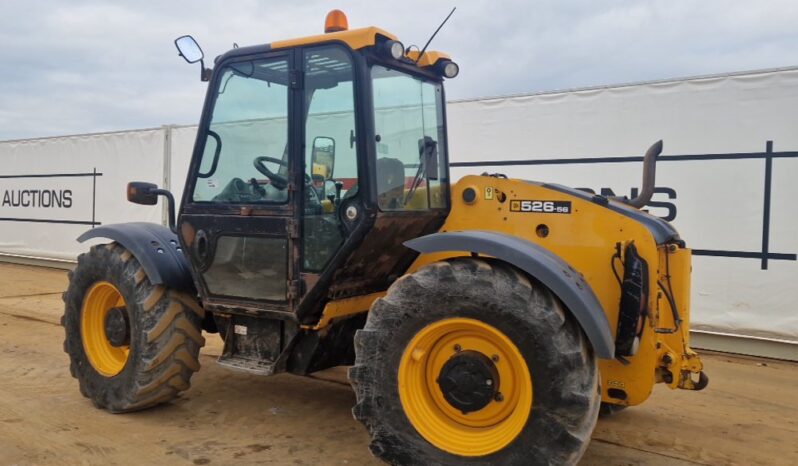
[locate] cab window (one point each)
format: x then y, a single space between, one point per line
411 158
245 156
330 152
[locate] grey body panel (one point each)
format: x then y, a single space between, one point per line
154 246
662 231
565 282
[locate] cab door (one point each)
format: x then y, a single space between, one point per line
334 164
330 155
240 208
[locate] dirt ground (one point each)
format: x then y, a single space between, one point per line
748 415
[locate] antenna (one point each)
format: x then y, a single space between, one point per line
424 49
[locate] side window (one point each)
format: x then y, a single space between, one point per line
411 159
245 159
330 156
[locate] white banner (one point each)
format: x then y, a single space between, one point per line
54 189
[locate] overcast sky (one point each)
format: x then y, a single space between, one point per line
82 66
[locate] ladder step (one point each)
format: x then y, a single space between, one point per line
251 366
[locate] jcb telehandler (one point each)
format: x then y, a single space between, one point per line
486 322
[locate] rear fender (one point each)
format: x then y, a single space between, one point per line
565 282
155 247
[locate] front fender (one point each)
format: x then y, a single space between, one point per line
565 282
154 246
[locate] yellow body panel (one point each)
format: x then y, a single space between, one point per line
429 58
354 38
344 308
586 239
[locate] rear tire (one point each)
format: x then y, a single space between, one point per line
164 330
563 371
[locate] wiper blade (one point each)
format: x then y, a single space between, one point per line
426 152
416 182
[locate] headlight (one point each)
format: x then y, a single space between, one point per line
394 48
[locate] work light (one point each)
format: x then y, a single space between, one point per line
395 49
447 68
450 69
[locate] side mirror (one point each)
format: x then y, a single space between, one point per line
322 158
428 152
189 49
139 192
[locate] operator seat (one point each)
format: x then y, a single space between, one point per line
390 183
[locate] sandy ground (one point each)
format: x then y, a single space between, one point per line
747 416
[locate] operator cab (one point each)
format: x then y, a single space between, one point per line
312 157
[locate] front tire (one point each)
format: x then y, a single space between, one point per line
443 333
131 344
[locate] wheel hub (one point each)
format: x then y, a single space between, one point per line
104 328
464 386
117 327
469 381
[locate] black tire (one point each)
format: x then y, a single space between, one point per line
563 368
165 333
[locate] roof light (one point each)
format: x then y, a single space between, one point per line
336 21
450 70
393 48
447 68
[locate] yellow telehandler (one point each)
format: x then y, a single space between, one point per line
486 322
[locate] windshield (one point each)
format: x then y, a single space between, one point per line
245 153
410 139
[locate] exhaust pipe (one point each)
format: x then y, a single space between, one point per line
649 176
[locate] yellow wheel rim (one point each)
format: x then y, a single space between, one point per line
106 359
477 433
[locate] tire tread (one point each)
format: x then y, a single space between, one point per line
169 339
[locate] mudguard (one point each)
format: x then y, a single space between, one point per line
565 282
154 246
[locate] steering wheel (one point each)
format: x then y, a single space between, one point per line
278 181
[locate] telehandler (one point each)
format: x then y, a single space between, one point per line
486 322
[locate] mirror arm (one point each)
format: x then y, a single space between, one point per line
205 73
170 204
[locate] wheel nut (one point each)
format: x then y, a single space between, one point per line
499 397
495 358
458 348
489 382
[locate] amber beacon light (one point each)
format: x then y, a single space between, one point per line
336 21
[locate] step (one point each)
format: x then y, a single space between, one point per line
249 365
